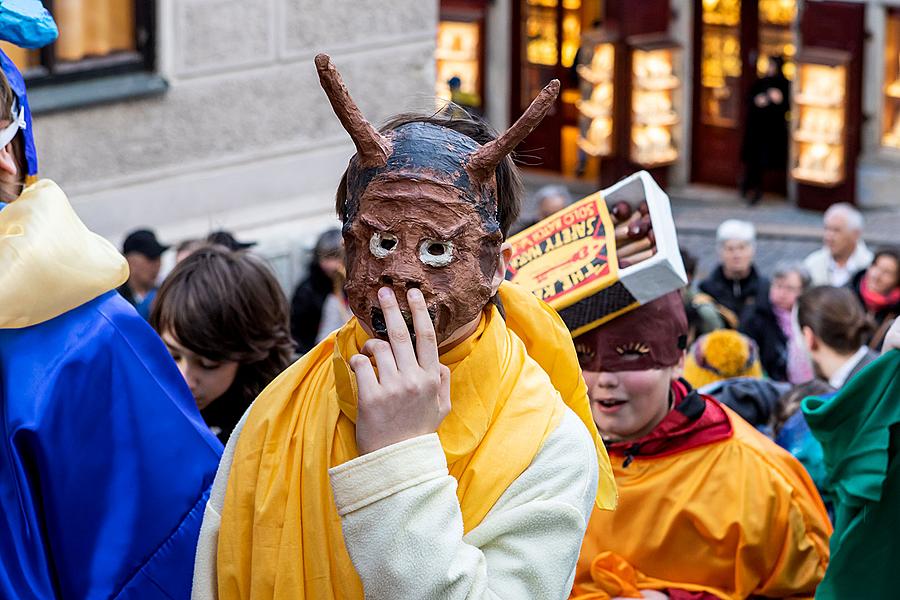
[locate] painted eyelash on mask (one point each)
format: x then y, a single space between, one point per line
584 351
636 347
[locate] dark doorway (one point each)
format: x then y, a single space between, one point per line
733 40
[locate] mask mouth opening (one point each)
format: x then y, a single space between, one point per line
379 326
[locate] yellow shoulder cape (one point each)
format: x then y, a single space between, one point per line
280 533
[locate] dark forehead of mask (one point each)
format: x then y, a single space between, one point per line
419 217
440 154
651 336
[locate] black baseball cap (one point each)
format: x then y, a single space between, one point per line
227 239
143 241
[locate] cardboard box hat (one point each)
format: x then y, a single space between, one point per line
570 259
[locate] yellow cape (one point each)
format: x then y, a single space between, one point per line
281 535
49 261
736 518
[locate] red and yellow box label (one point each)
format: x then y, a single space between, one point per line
567 256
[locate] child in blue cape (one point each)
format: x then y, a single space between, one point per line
105 464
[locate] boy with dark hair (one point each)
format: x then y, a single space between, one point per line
105 463
467 465
708 506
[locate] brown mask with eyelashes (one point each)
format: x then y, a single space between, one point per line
651 336
421 211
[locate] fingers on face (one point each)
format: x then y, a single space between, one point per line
364 371
398 334
426 339
381 352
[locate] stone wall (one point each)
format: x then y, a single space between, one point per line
244 138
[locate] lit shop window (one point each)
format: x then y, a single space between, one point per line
891 116
458 56
776 36
720 62
571 28
597 108
652 111
819 117
96 37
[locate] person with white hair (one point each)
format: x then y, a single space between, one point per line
844 253
552 199
735 283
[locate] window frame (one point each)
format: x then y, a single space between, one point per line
142 59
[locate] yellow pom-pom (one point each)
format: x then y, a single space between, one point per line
726 351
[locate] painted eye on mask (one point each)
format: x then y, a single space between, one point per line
435 253
382 244
633 350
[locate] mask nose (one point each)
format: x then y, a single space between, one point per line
403 273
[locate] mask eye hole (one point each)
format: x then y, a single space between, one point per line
382 244
436 253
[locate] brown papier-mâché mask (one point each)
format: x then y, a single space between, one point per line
421 211
652 336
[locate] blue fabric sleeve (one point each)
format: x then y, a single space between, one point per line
105 460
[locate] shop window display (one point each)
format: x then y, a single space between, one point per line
819 117
652 111
541 45
776 35
597 108
458 55
891 119
720 64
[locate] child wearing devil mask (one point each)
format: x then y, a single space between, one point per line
708 506
466 466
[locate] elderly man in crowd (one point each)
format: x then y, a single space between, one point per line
844 253
735 284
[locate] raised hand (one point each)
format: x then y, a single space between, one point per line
410 395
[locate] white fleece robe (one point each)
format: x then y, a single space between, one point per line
403 527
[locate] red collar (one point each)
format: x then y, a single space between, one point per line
695 420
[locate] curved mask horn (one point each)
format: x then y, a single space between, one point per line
483 161
372 148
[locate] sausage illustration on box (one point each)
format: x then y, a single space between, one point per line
603 255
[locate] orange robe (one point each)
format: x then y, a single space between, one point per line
732 518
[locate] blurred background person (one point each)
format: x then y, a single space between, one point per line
793 434
336 308
765 145
735 283
844 253
835 329
227 239
224 319
770 323
878 288
325 273
702 311
142 251
466 100
551 199
722 354
753 398
185 248
548 200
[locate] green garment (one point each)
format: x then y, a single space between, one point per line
859 428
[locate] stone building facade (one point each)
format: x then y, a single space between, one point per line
243 138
